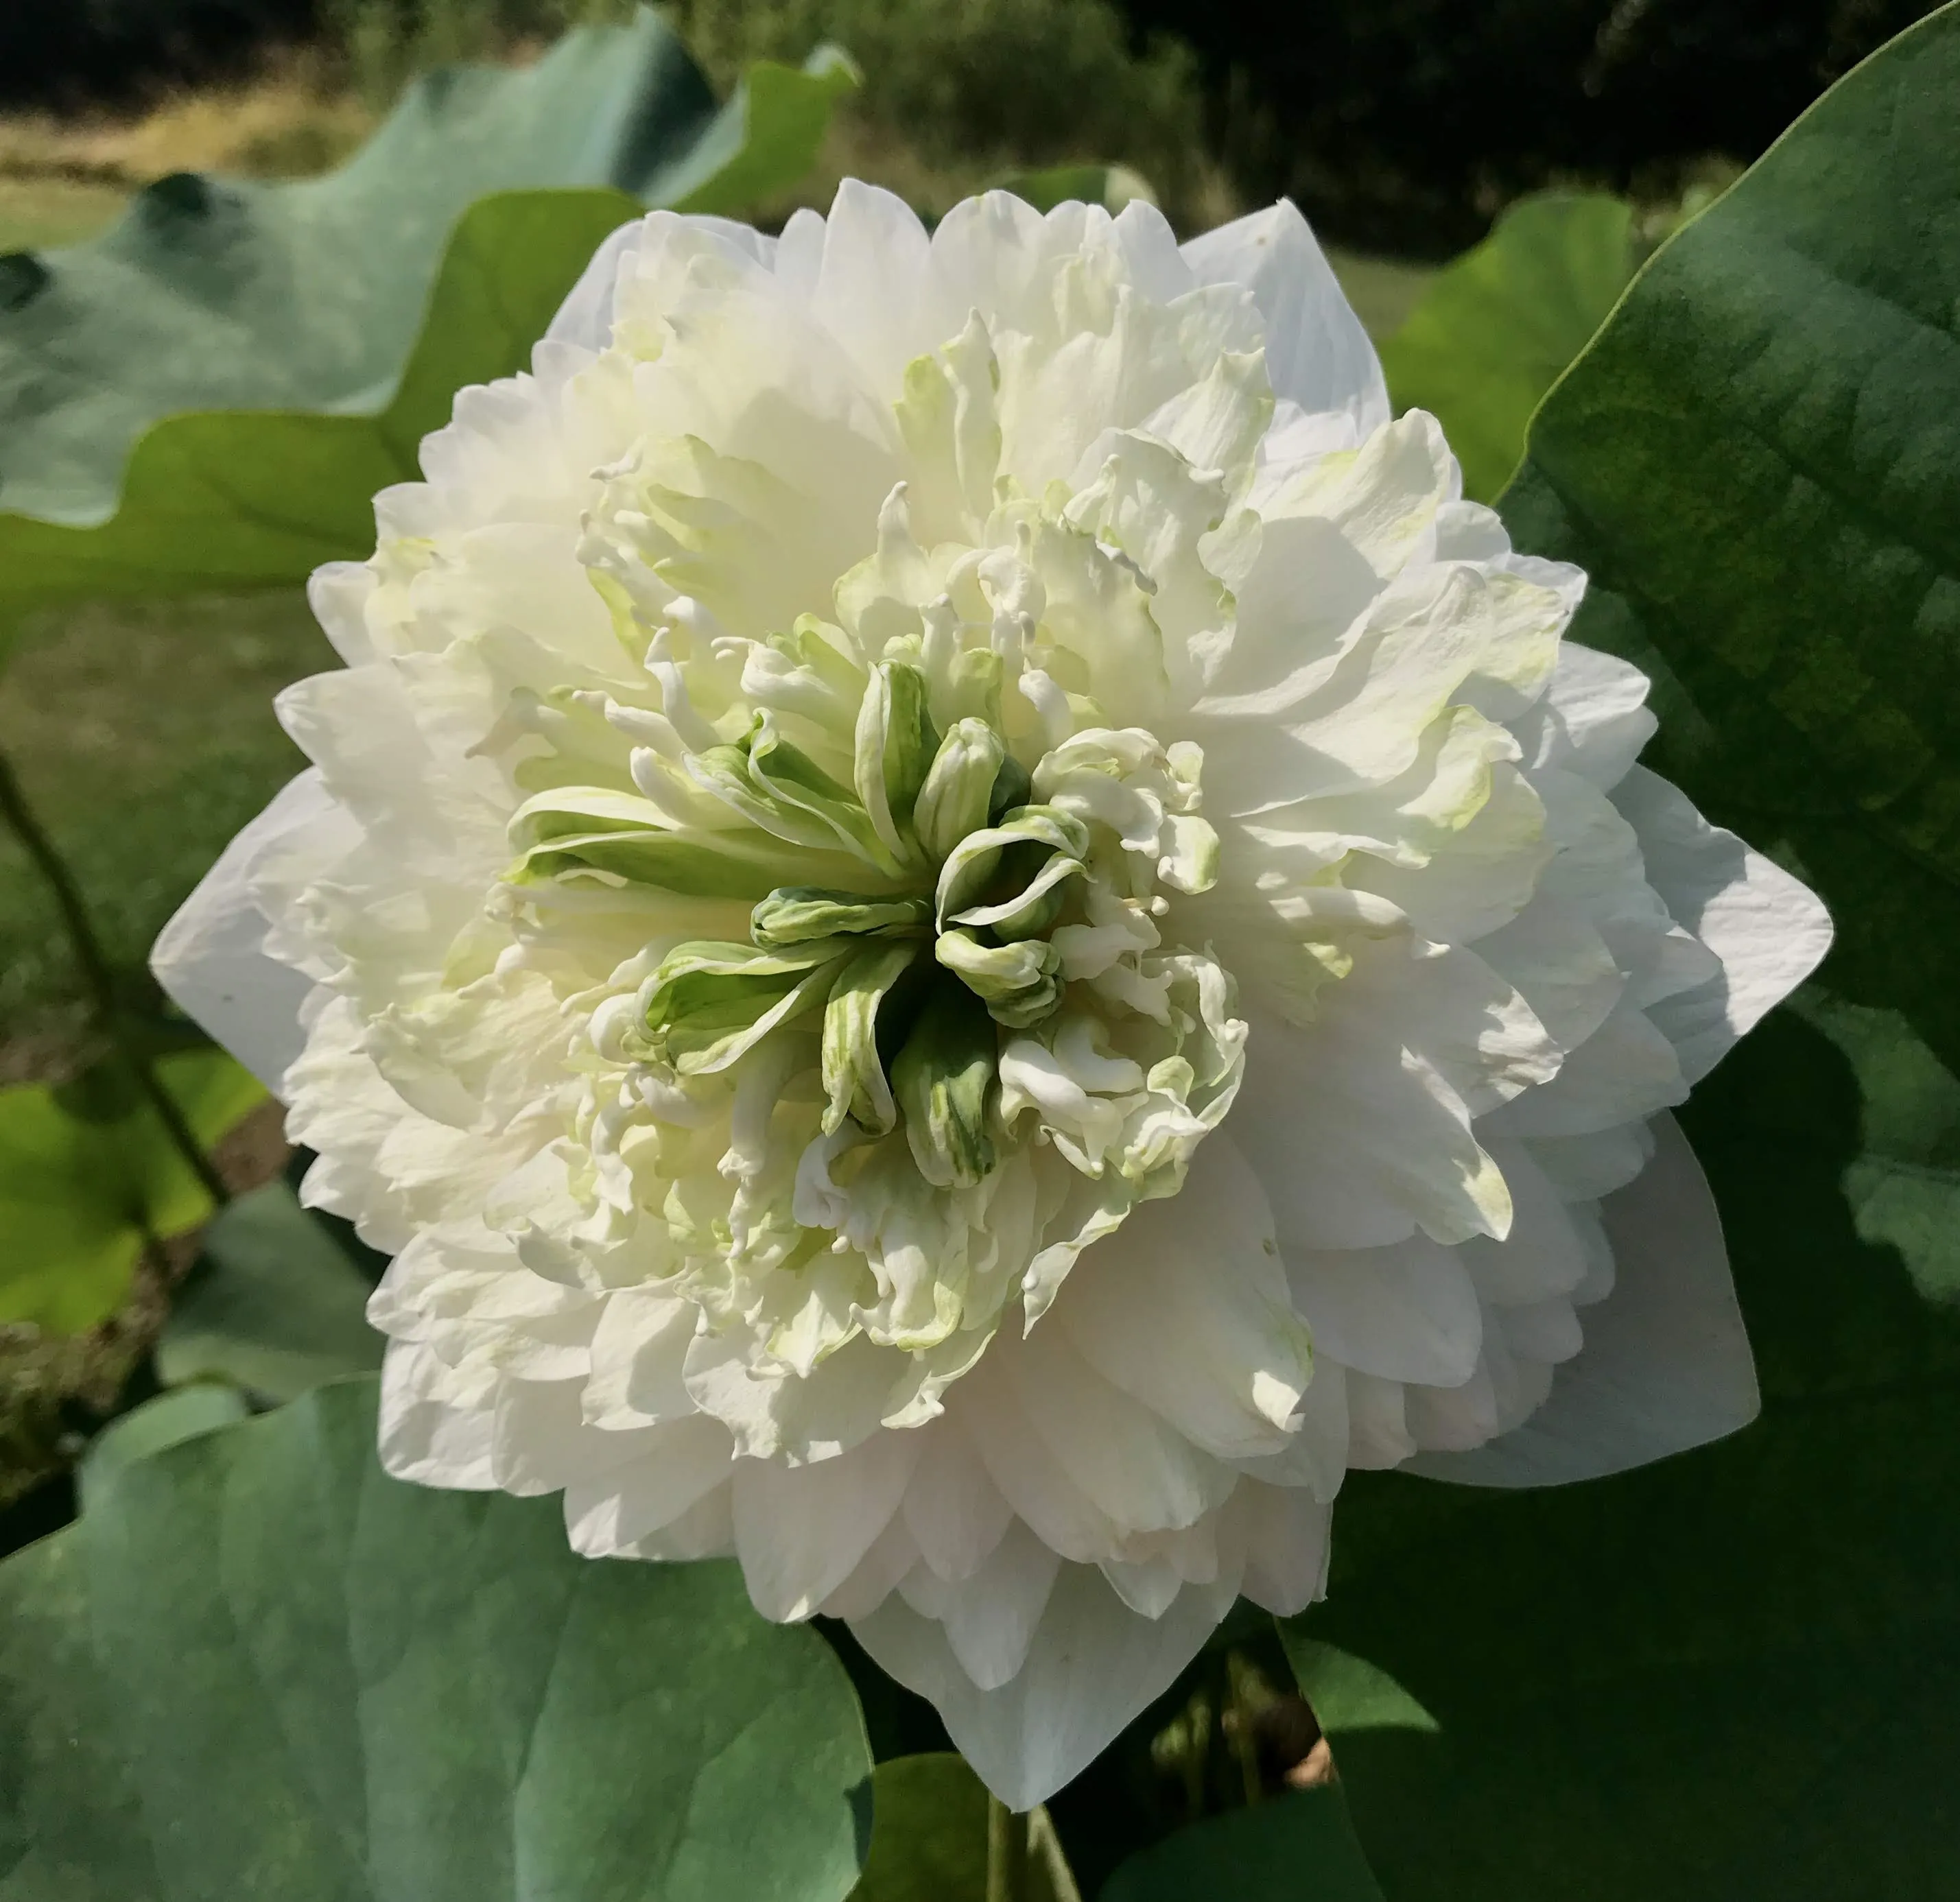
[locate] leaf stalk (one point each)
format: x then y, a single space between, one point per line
98 980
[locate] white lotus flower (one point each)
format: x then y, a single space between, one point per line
967 933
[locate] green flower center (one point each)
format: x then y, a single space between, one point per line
950 900
916 981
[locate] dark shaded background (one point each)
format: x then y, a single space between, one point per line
1405 125
1398 125
61 54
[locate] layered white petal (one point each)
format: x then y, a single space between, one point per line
584 320
1666 1365
210 959
1409 1313
870 286
611 1512
1317 352
429 1432
1202 1267
801 1531
1768 929
990 1614
954 1511
1092 1665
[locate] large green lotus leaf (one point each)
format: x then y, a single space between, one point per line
1759 463
274 1303
1491 334
79 1193
257 1667
1297 1846
762 142
928 1833
229 294
1737 1673
167 1420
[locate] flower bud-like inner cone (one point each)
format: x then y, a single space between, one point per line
959 1039
1000 887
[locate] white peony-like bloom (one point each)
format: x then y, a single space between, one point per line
966 933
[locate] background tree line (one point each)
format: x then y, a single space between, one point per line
1400 124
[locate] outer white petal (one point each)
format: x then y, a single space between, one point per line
1378 1434
994 254
1286 1546
1094 1664
1625 1070
1544 1255
1594 718
210 959
1406 1312
1455 1419
1138 1473
800 1531
1582 1169
953 1510
705 1531
425 1435
893 1555
585 319
339 591
991 1618
1150 249
1317 1459
1770 932
639 1352
1024 1469
1359 1123
872 289
681 1463
1185 1308
1666 1365
773 1413
540 1443
1317 353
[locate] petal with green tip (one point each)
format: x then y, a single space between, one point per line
711 1002
854 1070
796 913
957 794
970 872
788 776
943 1080
1020 982
896 743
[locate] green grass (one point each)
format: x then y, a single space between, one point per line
144 738
38 213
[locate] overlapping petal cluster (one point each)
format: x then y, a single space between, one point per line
967 932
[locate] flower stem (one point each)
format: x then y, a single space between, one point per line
1006 1853
1025 1861
1044 1849
93 964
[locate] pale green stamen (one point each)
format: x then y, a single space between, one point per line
932 930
